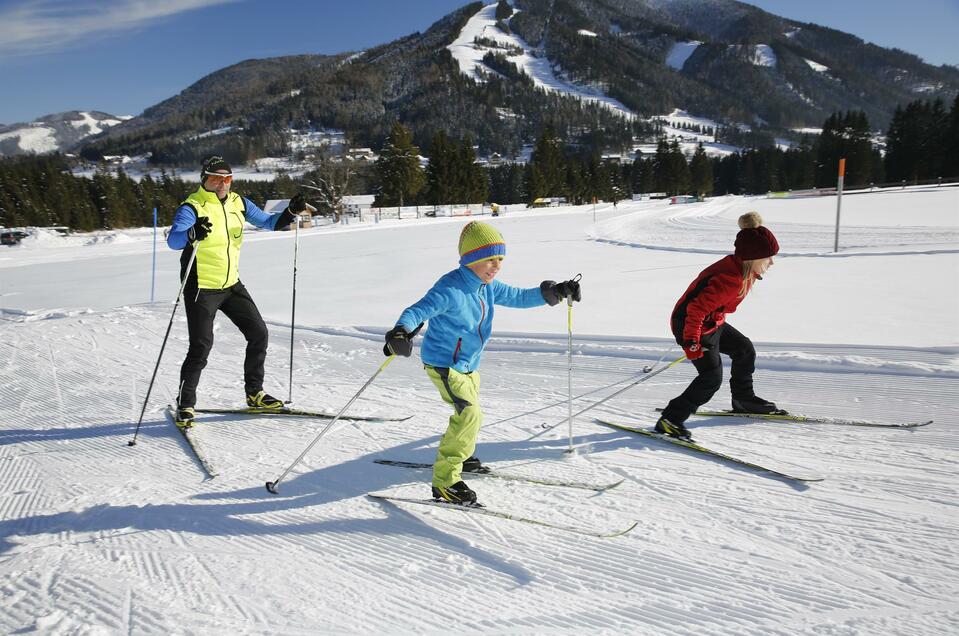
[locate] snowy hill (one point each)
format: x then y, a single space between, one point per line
54 133
100 537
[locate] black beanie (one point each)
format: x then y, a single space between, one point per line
211 165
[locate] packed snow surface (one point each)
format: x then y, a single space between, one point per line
100 537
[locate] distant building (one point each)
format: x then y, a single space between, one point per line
278 205
358 204
362 154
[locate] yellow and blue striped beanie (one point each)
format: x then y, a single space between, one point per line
480 241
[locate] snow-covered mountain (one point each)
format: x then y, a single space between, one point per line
53 133
597 70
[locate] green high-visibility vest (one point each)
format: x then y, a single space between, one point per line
218 255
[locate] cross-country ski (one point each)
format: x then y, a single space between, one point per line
507 476
482 510
811 419
705 450
300 413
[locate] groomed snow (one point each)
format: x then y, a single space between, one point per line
681 52
469 56
37 138
100 537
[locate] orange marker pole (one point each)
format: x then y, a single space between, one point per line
842 176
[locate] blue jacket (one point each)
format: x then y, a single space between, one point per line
459 309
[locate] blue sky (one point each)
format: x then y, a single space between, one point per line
121 56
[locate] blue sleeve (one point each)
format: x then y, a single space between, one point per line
258 217
517 297
183 220
432 304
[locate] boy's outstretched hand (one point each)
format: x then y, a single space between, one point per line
554 292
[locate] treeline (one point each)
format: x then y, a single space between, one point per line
922 144
41 191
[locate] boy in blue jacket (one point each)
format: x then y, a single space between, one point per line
459 309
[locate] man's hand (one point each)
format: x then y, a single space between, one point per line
297 204
200 230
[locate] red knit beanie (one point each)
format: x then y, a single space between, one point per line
754 241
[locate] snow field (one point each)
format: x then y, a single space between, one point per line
99 537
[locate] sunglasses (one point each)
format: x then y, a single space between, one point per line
219 178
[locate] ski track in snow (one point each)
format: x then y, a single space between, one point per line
96 535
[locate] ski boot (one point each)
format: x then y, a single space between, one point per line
474 465
263 400
679 431
459 493
756 405
184 417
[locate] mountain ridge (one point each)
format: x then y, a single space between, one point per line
746 68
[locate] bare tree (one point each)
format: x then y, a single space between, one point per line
330 180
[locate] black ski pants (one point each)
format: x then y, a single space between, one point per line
235 302
726 340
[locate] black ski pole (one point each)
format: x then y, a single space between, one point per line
272 485
296 248
189 266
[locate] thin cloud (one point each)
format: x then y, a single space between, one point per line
45 26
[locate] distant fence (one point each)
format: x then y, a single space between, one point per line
376 215
872 187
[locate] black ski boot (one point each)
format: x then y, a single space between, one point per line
185 416
263 400
474 465
756 405
458 493
679 431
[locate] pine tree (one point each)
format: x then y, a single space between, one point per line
440 171
398 169
701 173
547 167
950 168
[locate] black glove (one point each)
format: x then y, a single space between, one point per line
297 204
398 342
554 292
200 230
286 218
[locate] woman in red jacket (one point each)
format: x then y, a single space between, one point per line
699 325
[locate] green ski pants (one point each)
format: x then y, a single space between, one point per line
461 391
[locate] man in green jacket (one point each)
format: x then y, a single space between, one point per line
210 221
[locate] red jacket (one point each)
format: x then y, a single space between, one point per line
707 300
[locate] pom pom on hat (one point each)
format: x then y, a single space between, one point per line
750 220
480 241
754 240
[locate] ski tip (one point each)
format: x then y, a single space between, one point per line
613 485
622 532
271 487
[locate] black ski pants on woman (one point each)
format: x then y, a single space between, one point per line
235 302
726 340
